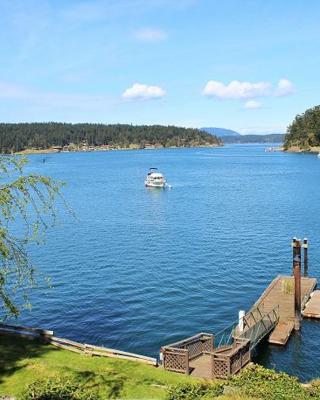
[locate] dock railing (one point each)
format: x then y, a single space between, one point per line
176 356
257 325
228 360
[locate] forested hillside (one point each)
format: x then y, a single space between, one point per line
22 136
304 132
270 138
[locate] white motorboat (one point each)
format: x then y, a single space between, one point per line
155 179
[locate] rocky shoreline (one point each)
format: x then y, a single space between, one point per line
297 149
108 148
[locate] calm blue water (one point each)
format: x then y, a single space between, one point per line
140 268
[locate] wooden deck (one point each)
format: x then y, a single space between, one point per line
281 292
312 309
200 367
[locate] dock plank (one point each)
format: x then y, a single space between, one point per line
281 292
201 366
281 333
312 309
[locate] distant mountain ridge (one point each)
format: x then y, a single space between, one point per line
220 132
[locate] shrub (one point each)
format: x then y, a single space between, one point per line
266 384
58 389
194 391
313 389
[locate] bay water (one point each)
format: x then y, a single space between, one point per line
138 268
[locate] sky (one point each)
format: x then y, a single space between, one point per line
246 65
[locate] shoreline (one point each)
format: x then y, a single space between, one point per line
297 149
101 149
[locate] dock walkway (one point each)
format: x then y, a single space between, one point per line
312 308
280 293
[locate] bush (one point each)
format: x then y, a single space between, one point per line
194 391
266 384
313 389
58 389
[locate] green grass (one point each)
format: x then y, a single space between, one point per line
24 361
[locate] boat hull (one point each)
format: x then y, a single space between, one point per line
155 185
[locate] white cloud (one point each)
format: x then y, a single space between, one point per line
140 91
150 35
237 90
252 104
247 90
284 88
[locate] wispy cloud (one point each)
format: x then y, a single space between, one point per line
252 105
139 91
284 88
247 90
34 96
94 10
262 130
150 35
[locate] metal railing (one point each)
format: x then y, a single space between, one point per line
262 326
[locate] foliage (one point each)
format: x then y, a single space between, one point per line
194 391
254 382
21 136
313 389
304 131
27 201
269 385
22 362
58 389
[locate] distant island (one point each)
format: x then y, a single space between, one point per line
230 136
304 132
221 132
56 137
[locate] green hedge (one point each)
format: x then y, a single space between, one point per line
254 382
58 389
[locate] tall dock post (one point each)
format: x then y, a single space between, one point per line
297 288
294 252
305 257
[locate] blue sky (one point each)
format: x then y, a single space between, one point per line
245 65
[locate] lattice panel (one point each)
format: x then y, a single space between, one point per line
207 345
174 361
220 368
246 354
195 349
236 362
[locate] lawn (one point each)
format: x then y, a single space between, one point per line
23 361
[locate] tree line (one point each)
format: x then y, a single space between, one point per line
304 132
21 136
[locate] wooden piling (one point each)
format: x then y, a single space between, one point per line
294 251
305 257
297 292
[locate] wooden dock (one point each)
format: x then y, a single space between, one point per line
276 313
273 312
312 308
281 292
